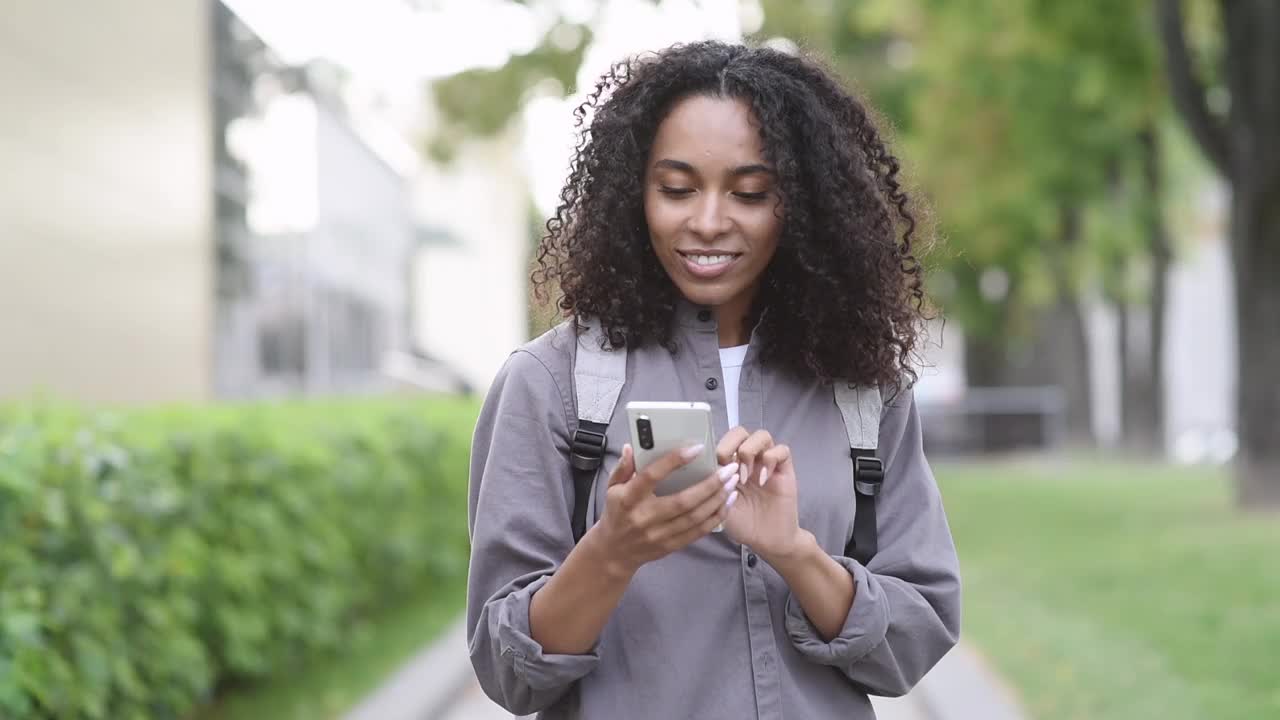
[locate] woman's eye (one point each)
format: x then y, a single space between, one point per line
752 196
667 190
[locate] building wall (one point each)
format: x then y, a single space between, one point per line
105 256
470 301
331 237
360 251
1200 352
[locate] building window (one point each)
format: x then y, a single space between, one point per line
282 347
352 335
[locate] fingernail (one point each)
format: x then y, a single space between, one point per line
731 483
691 452
727 470
626 448
764 476
732 497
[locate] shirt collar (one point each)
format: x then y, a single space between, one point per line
693 316
701 318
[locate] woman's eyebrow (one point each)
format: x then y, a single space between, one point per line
751 170
739 171
679 165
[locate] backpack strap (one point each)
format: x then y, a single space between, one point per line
860 408
598 377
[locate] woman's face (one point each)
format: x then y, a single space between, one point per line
711 202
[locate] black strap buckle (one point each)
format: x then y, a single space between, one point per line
868 474
588 447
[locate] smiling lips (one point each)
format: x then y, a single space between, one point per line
707 265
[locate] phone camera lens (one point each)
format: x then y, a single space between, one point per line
645 433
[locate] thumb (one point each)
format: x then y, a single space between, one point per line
625 468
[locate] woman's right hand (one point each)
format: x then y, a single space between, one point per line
639 526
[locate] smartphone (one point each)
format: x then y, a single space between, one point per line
657 428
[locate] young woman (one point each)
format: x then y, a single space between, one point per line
733 219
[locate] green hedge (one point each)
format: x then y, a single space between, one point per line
147 558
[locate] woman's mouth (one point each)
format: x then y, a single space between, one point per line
708 265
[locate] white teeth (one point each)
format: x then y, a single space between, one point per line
711 259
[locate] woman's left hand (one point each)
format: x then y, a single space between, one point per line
765 515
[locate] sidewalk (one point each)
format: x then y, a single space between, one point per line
437 684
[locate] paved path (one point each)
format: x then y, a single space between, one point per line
473 705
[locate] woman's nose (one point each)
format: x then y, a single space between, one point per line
710 216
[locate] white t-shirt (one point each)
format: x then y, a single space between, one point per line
731 365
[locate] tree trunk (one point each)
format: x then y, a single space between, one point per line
1161 261
985 361
1068 338
1071 361
1065 341
1143 374
1255 233
1253 79
1128 401
1140 392
1247 152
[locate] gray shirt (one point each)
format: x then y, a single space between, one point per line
710 631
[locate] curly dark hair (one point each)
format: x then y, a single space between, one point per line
843 292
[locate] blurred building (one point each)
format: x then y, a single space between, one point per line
106 200
471 306
318 246
184 218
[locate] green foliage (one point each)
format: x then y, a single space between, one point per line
151 556
1030 108
1010 112
866 43
332 683
481 102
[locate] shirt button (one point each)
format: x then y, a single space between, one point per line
704 315
752 560
712 383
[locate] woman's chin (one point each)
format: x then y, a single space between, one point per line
706 296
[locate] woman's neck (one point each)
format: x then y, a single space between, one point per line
731 320
732 336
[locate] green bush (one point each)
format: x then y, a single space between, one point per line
148 558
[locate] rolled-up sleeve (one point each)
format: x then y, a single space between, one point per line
906 609
519 506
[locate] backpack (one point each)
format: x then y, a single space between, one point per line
598 377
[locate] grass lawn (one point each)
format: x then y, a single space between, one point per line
329 686
1119 591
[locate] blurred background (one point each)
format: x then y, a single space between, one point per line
260 258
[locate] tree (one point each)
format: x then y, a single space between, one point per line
483 102
1020 118
1243 145
1142 378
